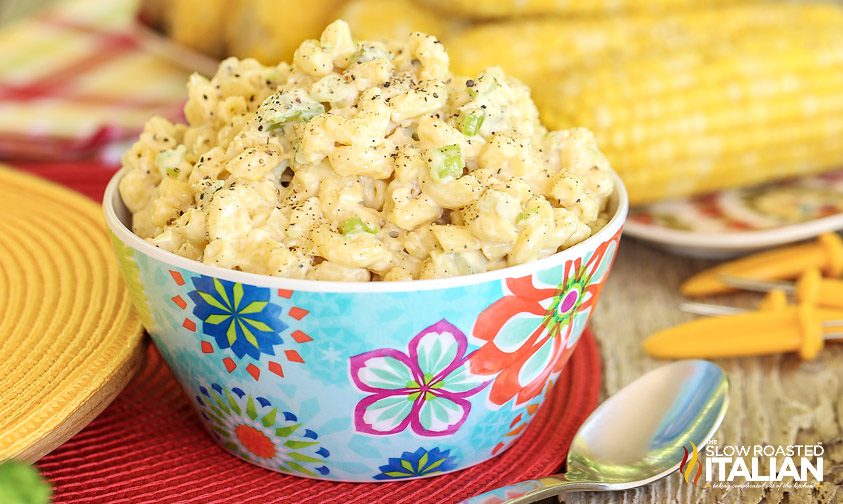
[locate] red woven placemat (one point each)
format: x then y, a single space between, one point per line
148 445
86 177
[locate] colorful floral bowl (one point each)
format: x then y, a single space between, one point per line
365 382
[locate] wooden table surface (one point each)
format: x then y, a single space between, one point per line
776 400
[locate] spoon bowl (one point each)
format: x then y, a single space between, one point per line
636 436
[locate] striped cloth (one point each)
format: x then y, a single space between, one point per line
76 78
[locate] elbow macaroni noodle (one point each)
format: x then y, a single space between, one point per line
362 161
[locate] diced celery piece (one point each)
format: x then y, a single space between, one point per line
168 161
446 163
272 76
355 225
526 214
289 106
470 122
481 86
370 52
463 266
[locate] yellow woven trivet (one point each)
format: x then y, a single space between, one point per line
69 340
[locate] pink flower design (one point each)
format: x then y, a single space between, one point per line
426 388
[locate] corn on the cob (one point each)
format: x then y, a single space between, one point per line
532 47
201 32
270 30
390 19
482 9
528 48
755 106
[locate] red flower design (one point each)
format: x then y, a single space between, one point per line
531 331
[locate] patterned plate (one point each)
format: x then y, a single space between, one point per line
737 221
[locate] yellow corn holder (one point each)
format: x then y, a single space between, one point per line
825 254
790 329
811 288
774 300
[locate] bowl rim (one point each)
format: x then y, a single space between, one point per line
112 197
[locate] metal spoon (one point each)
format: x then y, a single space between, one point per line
636 436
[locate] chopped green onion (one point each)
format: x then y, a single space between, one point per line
446 163
470 122
168 161
289 106
356 225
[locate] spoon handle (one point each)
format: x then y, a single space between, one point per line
531 491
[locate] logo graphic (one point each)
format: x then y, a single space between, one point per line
687 466
753 466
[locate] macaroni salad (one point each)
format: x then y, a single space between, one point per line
362 161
